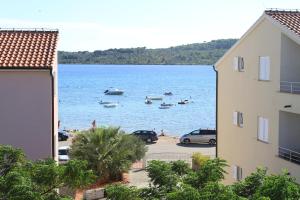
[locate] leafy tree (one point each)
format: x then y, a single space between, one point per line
161 175
22 179
210 171
108 151
215 190
204 184
281 186
185 192
248 187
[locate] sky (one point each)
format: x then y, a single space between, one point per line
102 24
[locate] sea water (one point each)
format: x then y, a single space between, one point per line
81 87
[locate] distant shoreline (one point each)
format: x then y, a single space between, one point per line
205 53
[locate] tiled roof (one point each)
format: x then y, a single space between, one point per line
33 49
290 19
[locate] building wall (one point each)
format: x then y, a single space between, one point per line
26 111
242 91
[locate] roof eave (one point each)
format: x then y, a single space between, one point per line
284 29
291 34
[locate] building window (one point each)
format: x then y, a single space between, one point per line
237 173
238 119
238 63
263 129
264 68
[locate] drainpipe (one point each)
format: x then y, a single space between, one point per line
216 120
52 101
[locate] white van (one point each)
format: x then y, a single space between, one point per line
200 136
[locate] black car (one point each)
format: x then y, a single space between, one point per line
147 136
62 136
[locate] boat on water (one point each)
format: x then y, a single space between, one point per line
113 91
105 102
183 101
148 101
164 107
166 104
154 98
110 105
168 93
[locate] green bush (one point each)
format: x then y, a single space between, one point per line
121 192
161 174
21 179
108 151
198 160
180 167
185 192
210 171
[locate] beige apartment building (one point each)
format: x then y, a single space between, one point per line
28 89
258 106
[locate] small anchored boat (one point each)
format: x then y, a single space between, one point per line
113 91
105 102
154 98
168 93
166 104
110 105
164 107
183 101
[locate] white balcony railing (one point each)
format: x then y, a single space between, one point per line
289 155
290 87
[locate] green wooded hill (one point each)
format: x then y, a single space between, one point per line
191 54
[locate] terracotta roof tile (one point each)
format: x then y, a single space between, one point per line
28 48
290 19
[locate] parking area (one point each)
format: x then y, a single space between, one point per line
167 148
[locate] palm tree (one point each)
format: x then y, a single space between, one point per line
108 151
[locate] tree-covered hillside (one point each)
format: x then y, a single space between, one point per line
198 53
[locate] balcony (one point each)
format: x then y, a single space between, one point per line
289 136
290 87
289 66
289 155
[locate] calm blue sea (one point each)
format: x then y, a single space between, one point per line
81 87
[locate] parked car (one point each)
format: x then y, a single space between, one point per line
62 135
147 136
63 153
200 136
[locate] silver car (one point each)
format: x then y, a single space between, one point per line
200 136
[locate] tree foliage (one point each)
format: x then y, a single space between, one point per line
204 184
22 179
198 53
108 151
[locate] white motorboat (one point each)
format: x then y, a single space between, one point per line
183 101
110 105
148 101
113 91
